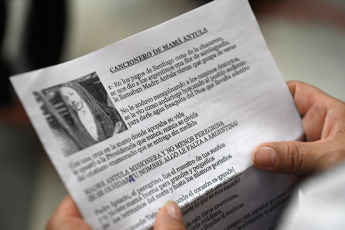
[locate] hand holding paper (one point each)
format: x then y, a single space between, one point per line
67 217
324 125
196 95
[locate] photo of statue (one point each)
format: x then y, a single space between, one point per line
80 113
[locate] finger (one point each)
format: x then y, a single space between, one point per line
306 96
293 157
169 217
67 217
312 105
68 208
321 113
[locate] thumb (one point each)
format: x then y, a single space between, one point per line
169 217
290 157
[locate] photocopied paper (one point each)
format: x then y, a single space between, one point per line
172 113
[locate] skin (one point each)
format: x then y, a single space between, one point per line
72 98
324 124
68 217
169 217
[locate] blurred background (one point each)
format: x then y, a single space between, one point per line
306 38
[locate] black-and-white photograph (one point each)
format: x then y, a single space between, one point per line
80 113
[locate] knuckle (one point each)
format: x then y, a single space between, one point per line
49 225
293 158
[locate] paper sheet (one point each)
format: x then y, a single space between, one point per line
171 113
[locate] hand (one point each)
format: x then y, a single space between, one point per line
67 217
169 217
324 125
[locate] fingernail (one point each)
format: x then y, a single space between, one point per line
265 157
173 210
